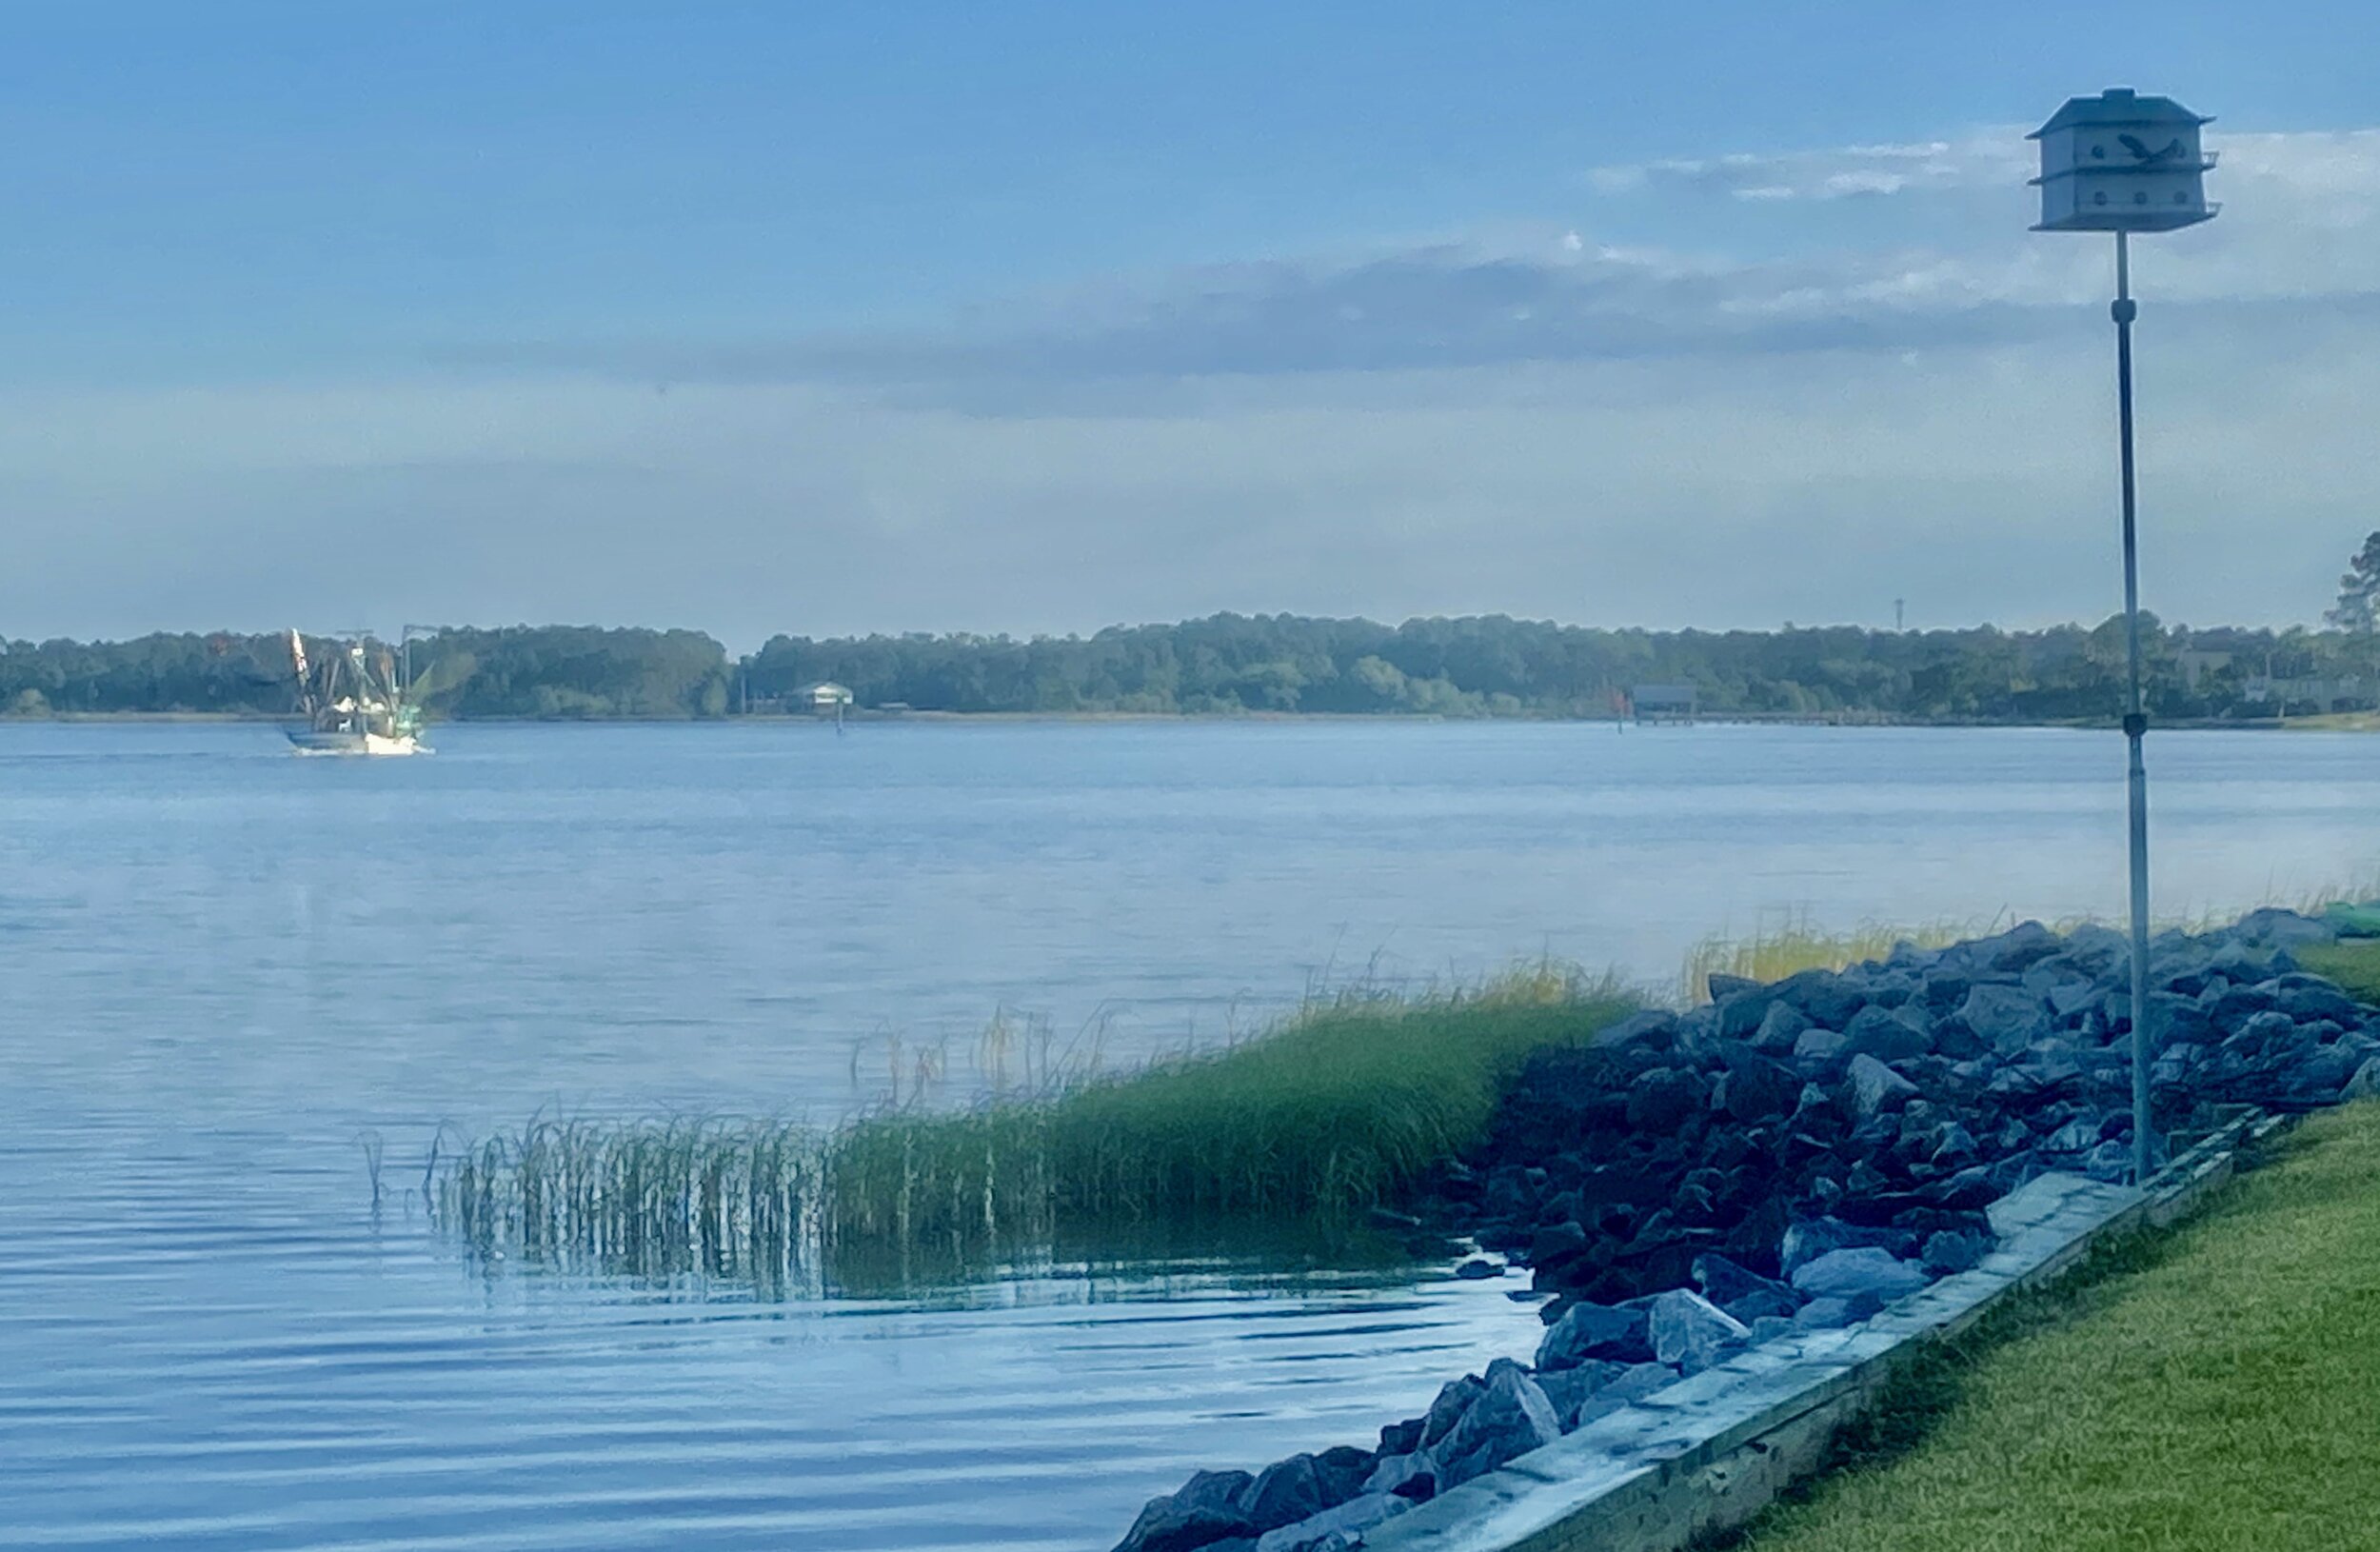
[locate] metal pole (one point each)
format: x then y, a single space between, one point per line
2136 719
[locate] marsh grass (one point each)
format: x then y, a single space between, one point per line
736 1201
1339 1107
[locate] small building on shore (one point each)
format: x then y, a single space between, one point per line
1653 701
827 698
2321 695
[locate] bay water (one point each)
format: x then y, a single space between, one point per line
230 980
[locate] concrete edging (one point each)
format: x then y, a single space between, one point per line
1708 1453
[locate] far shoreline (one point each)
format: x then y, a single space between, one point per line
2342 722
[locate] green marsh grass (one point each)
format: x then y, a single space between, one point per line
1339 1108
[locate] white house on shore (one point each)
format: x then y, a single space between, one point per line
827 698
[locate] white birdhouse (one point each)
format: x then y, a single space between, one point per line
2121 162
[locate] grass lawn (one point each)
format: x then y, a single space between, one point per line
2355 966
2214 1388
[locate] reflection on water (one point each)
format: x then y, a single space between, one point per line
746 1205
220 967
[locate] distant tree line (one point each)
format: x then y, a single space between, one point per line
550 672
1477 667
1490 665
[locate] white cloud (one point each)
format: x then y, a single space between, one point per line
2303 225
1987 158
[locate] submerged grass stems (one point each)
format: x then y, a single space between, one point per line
1339 1107
644 1200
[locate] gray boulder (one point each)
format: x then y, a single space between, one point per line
2110 1162
1823 1315
1876 1088
1754 1088
1865 1271
1781 1026
2308 1001
2071 997
2234 1005
1949 1251
1698 1031
1894 986
1806 1240
1690 1331
1413 1476
1284 1492
1596 1331
2079 1135
1743 1293
1886 1034
2263 1032
1454 1398
1565 1389
2239 963
1818 1051
1629 1387
2021 946
1741 1006
1202 1511
2098 948
2274 928
2366 1084
1334 1529
2006 1018
1659 1100
1953 1146
1824 997
2323 1072
1512 1418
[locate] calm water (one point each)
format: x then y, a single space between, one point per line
221 967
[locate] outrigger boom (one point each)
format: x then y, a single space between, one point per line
353 702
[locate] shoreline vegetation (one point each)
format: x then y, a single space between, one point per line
2342 723
1260 665
1310 1131
1330 1113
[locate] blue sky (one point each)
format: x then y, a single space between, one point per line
1044 316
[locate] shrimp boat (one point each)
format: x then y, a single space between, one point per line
352 702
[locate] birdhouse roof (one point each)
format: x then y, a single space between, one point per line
2118 105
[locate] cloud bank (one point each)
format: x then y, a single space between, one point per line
1846 375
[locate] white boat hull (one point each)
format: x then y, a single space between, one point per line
308 741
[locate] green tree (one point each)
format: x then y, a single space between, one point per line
2359 592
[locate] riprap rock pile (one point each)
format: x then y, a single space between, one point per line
1797 1156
